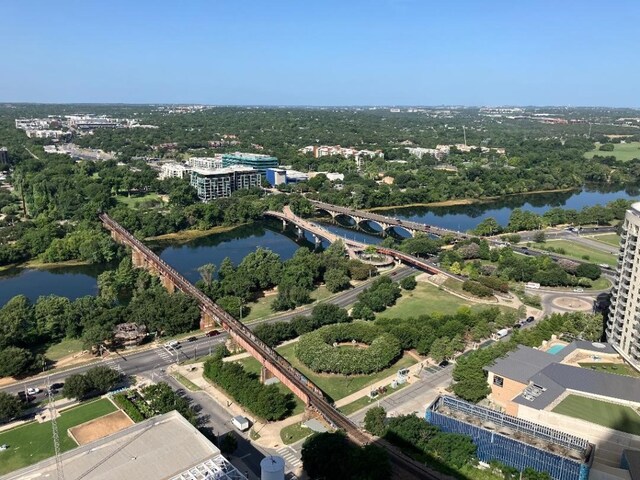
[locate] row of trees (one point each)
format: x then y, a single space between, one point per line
95 381
521 220
277 332
264 401
469 375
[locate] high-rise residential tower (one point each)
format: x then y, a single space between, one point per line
623 325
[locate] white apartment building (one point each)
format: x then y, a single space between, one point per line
205 162
623 324
174 170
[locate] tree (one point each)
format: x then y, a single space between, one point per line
228 444
408 283
10 407
441 349
76 386
588 270
539 237
489 226
102 379
336 280
15 361
375 421
206 273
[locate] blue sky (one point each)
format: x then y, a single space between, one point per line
322 52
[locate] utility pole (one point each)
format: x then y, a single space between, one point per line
54 428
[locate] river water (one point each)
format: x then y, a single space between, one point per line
74 282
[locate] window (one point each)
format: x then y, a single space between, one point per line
498 381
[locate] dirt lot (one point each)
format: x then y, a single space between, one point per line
100 427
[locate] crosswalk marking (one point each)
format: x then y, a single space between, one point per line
290 456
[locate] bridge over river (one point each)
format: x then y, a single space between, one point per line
384 222
212 314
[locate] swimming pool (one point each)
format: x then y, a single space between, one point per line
555 349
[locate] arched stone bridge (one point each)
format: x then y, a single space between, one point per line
384 222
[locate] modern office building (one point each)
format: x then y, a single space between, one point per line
623 325
254 160
282 176
513 441
211 184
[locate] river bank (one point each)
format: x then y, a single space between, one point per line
469 201
185 236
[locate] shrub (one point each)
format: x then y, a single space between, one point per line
128 407
494 283
316 349
408 283
265 401
477 289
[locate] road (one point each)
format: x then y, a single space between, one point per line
155 359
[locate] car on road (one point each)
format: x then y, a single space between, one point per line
578 290
213 333
33 391
172 343
192 339
57 386
530 319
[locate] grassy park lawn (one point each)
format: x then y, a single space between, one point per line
577 251
32 442
134 200
336 386
186 382
612 239
622 151
610 415
259 309
292 433
617 368
66 347
365 401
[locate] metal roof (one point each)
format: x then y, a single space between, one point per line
521 364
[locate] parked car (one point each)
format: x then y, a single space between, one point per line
517 325
192 339
33 391
578 290
3 447
213 333
530 319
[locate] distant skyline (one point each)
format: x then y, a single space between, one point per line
349 52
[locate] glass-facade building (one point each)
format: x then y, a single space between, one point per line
513 441
256 161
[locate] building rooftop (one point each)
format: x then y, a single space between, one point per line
163 447
548 378
223 171
247 155
521 364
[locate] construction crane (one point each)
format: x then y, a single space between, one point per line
54 428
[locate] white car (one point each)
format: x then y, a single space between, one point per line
172 343
33 391
3 447
578 290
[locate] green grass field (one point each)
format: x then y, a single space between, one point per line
577 251
292 433
32 442
365 401
622 151
617 368
259 309
66 347
134 200
336 386
612 239
617 417
428 299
